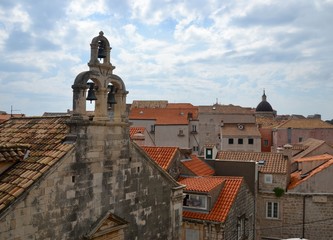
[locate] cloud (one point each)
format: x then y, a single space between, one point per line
182 51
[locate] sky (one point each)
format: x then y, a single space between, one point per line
194 51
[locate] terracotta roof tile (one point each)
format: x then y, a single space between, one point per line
164 116
274 162
42 137
222 206
163 156
198 167
201 184
296 178
135 130
304 123
227 109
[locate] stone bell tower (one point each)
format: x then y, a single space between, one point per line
106 89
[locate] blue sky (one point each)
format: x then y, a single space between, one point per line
180 51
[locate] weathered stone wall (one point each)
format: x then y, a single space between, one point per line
243 206
279 180
103 173
316 223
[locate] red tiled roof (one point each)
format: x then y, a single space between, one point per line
274 162
163 156
202 184
45 136
4 117
134 130
296 178
12 152
164 116
198 167
222 206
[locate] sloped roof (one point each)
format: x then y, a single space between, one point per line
198 167
309 145
296 177
10 152
164 116
4 116
227 109
304 124
135 130
202 184
163 156
43 136
266 122
273 162
223 204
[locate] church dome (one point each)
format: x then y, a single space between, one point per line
264 106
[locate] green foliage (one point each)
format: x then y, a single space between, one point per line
278 191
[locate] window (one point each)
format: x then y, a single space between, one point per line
300 139
272 210
240 140
194 128
180 132
209 153
265 143
250 141
152 128
195 201
195 148
268 178
231 141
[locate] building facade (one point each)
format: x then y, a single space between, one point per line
80 177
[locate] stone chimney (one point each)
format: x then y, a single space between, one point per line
287 154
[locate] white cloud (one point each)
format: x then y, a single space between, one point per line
174 50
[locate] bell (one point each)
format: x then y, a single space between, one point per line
101 50
91 92
111 97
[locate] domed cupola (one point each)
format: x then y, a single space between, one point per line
264 106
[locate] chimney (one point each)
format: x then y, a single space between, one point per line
287 152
